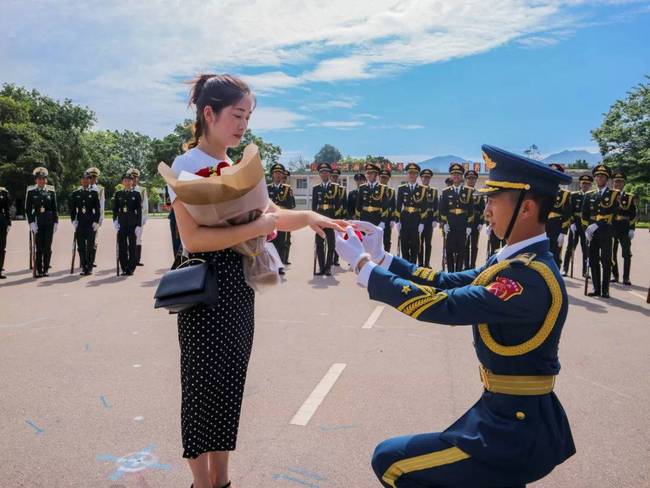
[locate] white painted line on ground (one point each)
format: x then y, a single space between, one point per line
373 317
137 365
316 397
139 418
22 324
636 295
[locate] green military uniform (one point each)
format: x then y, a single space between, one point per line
42 214
577 230
325 201
476 221
371 199
598 211
282 196
388 214
410 207
429 216
127 213
456 208
5 223
624 226
84 212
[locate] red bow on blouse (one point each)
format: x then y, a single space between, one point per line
214 170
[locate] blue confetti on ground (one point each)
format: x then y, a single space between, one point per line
34 426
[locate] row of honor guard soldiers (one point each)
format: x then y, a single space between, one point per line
86 205
598 220
281 194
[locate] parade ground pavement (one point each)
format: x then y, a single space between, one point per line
90 378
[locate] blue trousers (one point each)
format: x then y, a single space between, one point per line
427 461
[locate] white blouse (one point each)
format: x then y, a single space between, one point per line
192 161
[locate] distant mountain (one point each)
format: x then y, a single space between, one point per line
441 163
569 156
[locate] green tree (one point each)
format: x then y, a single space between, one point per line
327 154
36 130
578 164
624 135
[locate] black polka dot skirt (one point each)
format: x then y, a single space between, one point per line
215 345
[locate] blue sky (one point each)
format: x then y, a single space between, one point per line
406 79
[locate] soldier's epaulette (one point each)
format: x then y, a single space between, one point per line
591 192
525 258
30 188
50 187
284 184
2 188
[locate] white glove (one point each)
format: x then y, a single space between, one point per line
434 225
398 226
350 249
479 227
34 227
420 228
446 228
573 228
75 224
138 231
488 229
95 226
116 224
56 226
630 234
589 231
468 231
373 241
560 240
382 225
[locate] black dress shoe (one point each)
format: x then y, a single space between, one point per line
593 294
281 271
287 263
2 277
564 273
613 280
604 295
139 264
46 274
627 282
319 273
328 273
124 273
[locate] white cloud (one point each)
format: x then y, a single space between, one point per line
126 59
367 116
274 118
338 124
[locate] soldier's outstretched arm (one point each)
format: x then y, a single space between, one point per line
428 276
514 294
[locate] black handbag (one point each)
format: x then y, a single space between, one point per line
187 286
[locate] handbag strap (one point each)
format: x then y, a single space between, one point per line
189 261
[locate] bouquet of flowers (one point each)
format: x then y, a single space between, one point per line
230 195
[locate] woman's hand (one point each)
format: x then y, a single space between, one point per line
319 222
267 223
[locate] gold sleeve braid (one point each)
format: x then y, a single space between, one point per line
551 317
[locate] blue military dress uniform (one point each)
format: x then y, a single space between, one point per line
517 432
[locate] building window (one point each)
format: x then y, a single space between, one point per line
301 183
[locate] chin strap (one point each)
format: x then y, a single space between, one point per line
513 219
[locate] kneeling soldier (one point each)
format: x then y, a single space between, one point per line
517 304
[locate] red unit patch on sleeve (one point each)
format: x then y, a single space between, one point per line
505 288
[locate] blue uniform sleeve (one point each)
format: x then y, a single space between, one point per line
427 276
516 294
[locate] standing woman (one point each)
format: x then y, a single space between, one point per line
216 341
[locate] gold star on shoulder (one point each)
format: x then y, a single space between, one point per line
406 289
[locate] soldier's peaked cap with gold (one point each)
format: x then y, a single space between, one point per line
456 168
509 171
277 167
601 169
324 167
